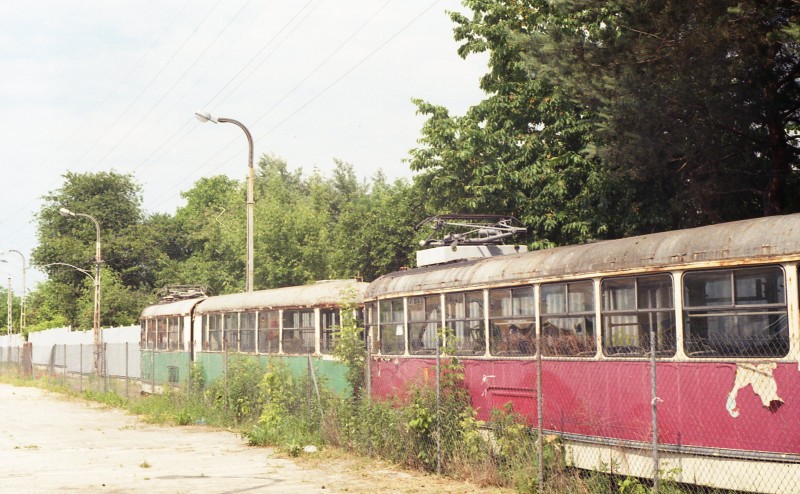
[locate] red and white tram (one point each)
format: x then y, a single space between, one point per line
716 305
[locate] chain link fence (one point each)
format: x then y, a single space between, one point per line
626 425
72 365
584 425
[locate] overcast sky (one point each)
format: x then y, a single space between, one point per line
94 85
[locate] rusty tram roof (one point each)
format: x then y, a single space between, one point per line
320 294
762 239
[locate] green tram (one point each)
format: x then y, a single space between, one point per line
296 324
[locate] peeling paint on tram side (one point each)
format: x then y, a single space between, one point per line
761 378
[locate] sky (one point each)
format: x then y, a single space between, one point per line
93 85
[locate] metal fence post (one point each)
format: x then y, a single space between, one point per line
539 412
80 367
64 374
127 377
368 364
654 404
438 405
104 349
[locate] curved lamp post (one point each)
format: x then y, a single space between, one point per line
22 299
98 337
206 117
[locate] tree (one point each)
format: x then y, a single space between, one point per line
700 100
521 150
611 118
375 231
208 246
114 201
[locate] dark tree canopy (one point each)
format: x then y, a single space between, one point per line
611 118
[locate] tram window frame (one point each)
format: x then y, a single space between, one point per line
391 326
247 331
230 331
214 324
512 321
424 316
174 332
568 321
715 329
298 332
330 321
161 333
269 326
648 306
151 334
465 321
371 325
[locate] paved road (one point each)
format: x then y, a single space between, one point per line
51 443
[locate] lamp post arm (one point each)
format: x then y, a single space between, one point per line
250 202
87 273
246 132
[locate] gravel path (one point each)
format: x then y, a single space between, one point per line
50 443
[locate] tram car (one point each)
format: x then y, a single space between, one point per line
709 315
293 323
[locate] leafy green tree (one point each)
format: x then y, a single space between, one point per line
611 118
114 200
520 151
375 232
697 100
292 226
119 305
43 310
207 246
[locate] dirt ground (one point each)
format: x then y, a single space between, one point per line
50 443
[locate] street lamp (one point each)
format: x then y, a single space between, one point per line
98 337
10 316
22 300
206 117
9 328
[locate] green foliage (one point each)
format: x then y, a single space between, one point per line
605 118
374 233
289 417
236 395
349 346
114 201
521 150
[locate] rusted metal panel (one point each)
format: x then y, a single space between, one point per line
320 294
171 309
761 239
612 399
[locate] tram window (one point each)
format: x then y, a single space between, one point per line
268 327
298 331
634 306
736 313
161 335
247 332
392 339
371 327
173 332
464 320
511 321
214 332
230 330
329 324
568 319
424 320
148 334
